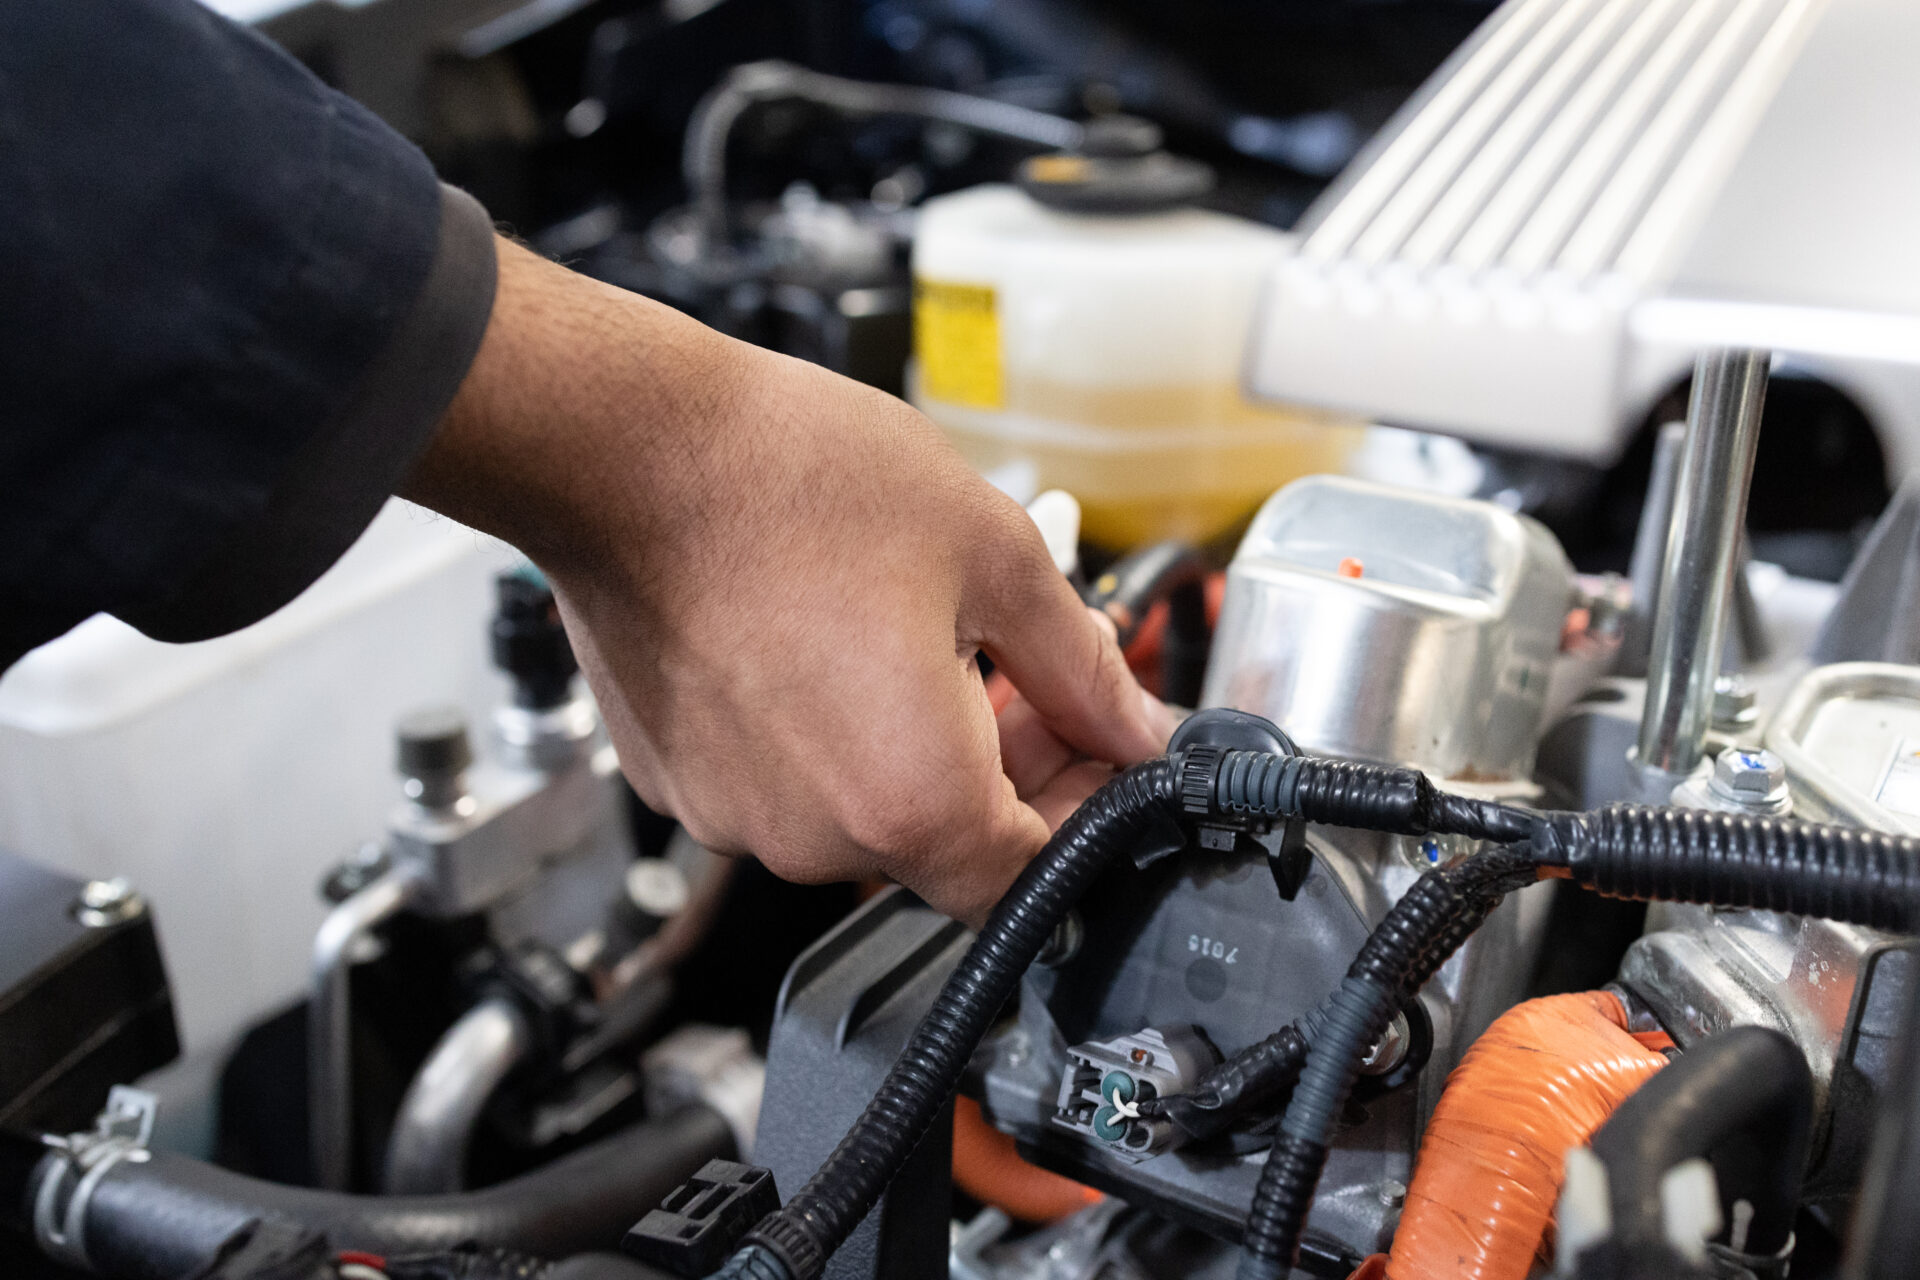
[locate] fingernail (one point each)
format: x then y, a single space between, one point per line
1105 623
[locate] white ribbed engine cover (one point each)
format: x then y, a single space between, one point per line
1591 190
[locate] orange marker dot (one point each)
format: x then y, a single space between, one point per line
1350 568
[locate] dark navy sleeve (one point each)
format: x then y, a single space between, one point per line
233 306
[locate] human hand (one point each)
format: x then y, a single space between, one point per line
776 581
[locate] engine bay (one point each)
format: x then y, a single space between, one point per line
1530 888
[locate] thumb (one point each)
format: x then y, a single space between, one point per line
1065 660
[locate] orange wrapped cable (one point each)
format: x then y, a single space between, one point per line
986 1167
1544 1077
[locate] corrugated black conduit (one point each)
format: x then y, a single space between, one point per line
1781 865
795 1242
1416 936
1636 851
1264 1070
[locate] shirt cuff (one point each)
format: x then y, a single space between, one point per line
342 476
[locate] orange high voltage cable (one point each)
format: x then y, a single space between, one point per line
986 1167
1544 1077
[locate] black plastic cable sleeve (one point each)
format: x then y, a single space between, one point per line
1371 797
1356 1018
165 1217
1742 1099
1248 1078
816 1221
1730 860
1423 929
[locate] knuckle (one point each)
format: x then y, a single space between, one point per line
904 822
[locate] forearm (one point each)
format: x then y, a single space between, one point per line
776 581
586 422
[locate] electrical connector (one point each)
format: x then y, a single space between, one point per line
702 1221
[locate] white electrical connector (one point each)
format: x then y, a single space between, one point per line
1690 1208
1585 1213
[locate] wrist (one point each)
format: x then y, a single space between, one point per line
558 439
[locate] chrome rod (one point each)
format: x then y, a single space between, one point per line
1703 540
330 1017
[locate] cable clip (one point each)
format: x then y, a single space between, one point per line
1202 744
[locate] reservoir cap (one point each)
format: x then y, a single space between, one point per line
1120 168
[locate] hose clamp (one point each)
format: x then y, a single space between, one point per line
77 1164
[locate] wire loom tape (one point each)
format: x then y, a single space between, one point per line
1541 1080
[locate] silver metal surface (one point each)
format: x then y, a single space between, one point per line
1876 617
1438 654
1709 511
509 824
1081 1247
427 1150
1701 971
1391 1050
1734 708
330 1017
107 902
712 1065
549 738
1650 547
1847 733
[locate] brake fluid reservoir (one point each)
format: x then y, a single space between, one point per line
1100 353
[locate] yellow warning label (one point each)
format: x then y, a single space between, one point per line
956 335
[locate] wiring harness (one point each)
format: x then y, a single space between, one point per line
1632 851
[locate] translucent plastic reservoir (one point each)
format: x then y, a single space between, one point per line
1102 355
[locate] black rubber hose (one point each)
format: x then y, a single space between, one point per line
1267 1069
1729 860
800 1237
1170 571
1742 1099
1421 930
1885 1238
166 1217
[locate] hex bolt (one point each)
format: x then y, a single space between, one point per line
1393 1193
1733 704
107 902
1391 1050
1751 780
